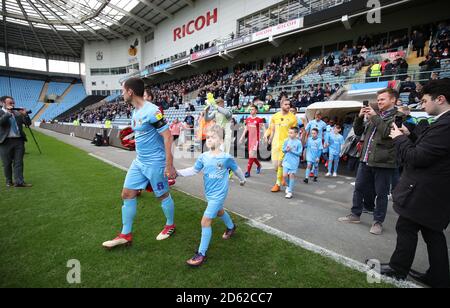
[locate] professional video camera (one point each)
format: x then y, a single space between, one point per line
20 109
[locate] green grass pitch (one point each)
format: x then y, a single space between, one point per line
75 205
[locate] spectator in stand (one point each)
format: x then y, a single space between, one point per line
407 85
190 123
175 129
418 40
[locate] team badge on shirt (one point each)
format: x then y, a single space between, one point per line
220 166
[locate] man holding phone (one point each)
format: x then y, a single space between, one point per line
378 159
12 141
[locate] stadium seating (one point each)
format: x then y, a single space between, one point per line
121 121
25 92
57 88
171 114
112 98
445 67
75 96
4 86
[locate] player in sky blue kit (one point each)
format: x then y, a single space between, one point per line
313 152
334 142
215 165
153 164
318 124
292 150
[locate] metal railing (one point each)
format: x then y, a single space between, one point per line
416 76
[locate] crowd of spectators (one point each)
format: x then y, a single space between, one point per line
108 111
247 82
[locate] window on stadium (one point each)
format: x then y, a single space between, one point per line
26 62
2 59
282 12
64 67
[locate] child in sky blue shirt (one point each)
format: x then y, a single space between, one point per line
335 141
313 152
292 149
215 165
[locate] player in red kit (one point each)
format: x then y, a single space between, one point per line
253 126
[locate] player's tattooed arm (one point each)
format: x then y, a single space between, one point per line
169 171
270 133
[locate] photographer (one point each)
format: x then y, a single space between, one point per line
378 159
420 197
12 141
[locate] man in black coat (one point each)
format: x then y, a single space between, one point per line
419 43
12 141
421 196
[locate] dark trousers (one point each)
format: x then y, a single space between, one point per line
369 179
352 164
438 275
420 52
11 153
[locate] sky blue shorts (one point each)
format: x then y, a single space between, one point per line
290 171
139 176
212 209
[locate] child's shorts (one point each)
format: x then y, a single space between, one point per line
212 209
290 171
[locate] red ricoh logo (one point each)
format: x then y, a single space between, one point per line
195 25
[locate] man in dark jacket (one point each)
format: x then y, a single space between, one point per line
12 141
420 197
378 159
419 43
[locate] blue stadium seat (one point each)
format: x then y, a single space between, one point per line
57 88
25 92
75 96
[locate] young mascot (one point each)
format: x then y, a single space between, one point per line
215 165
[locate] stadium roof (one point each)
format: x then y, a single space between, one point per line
60 27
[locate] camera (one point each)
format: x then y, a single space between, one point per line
20 109
366 103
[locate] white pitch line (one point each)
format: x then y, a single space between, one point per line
348 262
109 162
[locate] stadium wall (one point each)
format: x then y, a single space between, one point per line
321 37
164 45
106 55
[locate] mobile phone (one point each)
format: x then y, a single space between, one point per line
398 121
366 103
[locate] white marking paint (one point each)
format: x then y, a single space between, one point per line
353 264
109 162
264 218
